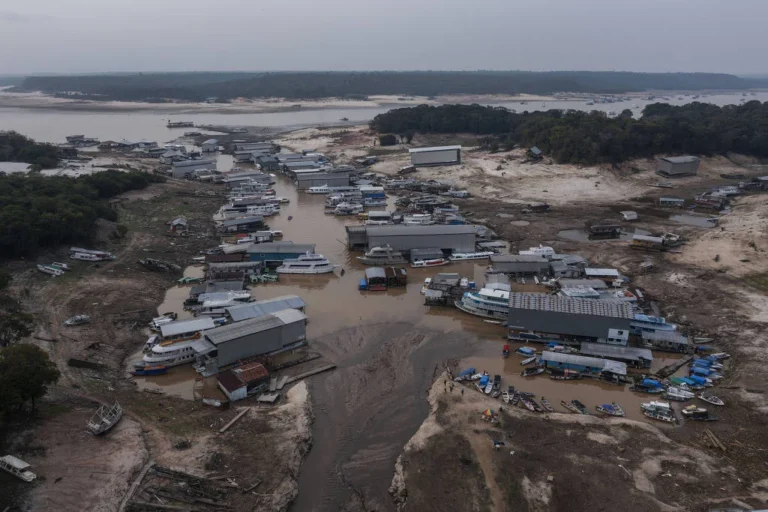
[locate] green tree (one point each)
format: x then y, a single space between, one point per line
25 374
14 326
387 139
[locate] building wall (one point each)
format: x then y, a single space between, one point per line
452 242
273 256
672 168
569 324
180 172
523 268
443 157
304 181
249 346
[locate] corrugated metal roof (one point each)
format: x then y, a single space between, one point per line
264 307
436 229
186 326
542 302
559 357
237 330
250 372
375 272
280 248
516 258
595 284
436 148
203 346
667 336
602 272
243 220
289 316
603 350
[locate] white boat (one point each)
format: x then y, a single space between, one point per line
424 288
680 391
84 256
436 262
45 269
527 361
661 411
105 418
677 397
17 468
711 399
265 210
59 265
77 320
486 303
382 256
489 387
348 209
505 397
322 189
460 256
171 354
151 342
276 233
309 263
282 200
418 219
374 201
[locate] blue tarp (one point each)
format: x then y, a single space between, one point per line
698 380
650 383
705 348
688 381
527 351
468 371
702 362
700 371
484 380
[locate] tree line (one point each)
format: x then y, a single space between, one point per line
593 137
311 85
38 211
15 147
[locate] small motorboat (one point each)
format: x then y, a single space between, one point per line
675 396
548 406
696 413
488 387
527 361
711 399
515 398
496 382
570 407
290 217
505 351
525 351
505 397
612 409
531 372
528 404
436 262
77 320
580 406
496 394
424 288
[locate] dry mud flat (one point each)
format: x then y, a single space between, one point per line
558 462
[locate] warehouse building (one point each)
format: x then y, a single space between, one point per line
447 238
210 145
318 179
185 328
184 168
572 362
442 155
632 356
542 317
273 253
264 307
520 266
671 341
242 224
678 166
275 332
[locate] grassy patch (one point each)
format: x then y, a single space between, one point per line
758 281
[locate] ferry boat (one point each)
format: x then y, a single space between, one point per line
486 303
309 263
172 354
646 323
460 256
436 262
265 210
382 256
347 209
322 189
418 219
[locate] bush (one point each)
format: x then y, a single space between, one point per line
387 140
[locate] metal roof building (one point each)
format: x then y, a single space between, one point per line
173 329
558 360
678 166
257 336
318 179
556 317
518 265
441 155
265 307
454 238
277 251
602 273
640 357
595 284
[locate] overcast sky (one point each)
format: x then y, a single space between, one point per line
74 36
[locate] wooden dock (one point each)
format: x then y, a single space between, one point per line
310 373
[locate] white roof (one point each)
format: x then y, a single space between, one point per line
437 148
603 272
185 326
15 462
289 316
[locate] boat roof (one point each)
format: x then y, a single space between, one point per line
185 326
497 294
264 307
15 462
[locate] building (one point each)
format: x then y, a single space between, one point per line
233 269
629 215
266 163
671 202
232 285
542 317
318 179
185 328
595 284
178 224
442 155
447 238
244 380
262 147
171 156
273 253
242 224
678 166
226 345
264 307
632 356
519 265
297 165
184 168
210 145
560 361
671 341
604 274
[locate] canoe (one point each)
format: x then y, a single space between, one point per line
505 397
495 394
527 361
530 372
570 407
489 387
515 398
528 404
580 406
711 399
546 404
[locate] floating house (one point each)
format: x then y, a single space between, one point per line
520 265
582 364
273 253
448 238
264 307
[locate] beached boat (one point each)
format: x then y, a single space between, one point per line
525 351
545 403
172 353
436 262
531 372
77 320
461 256
488 387
497 381
59 265
142 369
646 389
506 397
528 403
570 406
47 269
580 406
661 411
696 413
495 394
105 418
527 361
17 468
676 397
309 263
711 399
465 375
721 355
382 256
612 409
515 398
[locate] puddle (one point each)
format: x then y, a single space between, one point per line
698 221
582 235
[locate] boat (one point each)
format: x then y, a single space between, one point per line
681 391
461 256
527 361
418 219
676 397
424 288
488 387
383 256
696 413
528 403
531 372
486 303
276 233
173 353
17 468
344 119
143 369
570 406
660 411
720 355
77 320
565 375
639 388
47 269
436 262
580 406
515 398
59 265
496 381
506 397
525 351
546 404
105 418
282 200
495 394
711 399
322 189
465 375
151 342
504 349
612 409
309 263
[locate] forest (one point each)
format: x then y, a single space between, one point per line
15 147
312 85
593 137
38 212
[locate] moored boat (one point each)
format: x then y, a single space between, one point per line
696 413
570 406
427 282
676 397
545 403
435 262
527 361
383 256
488 387
309 263
496 381
495 394
660 411
525 351
17 468
485 303
580 406
461 256
505 397
612 409
142 369
531 372
515 398
711 399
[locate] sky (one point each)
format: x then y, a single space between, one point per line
86 36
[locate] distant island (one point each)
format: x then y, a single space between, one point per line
227 86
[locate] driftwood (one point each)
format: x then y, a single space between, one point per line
714 440
234 420
155 506
136 484
252 487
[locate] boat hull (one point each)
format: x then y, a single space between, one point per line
328 270
377 261
495 315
